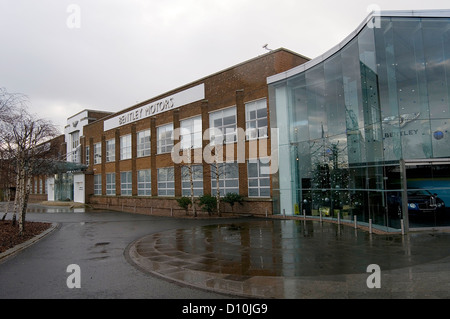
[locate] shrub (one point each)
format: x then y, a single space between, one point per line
232 198
184 203
207 203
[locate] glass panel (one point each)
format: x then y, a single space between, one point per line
440 137
265 192
253 183
428 195
264 182
436 44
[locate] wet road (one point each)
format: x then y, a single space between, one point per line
96 241
124 255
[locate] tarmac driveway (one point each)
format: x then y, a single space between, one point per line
96 241
307 260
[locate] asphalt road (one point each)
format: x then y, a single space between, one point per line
96 241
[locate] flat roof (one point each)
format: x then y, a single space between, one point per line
196 82
444 13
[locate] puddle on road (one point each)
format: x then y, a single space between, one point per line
289 248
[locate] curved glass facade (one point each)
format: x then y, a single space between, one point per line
368 126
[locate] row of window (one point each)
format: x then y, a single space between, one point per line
227 173
223 125
40 186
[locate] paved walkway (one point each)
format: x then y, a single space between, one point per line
297 259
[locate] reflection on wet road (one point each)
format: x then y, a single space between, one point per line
280 248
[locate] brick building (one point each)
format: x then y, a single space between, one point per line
129 154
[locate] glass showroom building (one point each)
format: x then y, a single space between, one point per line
364 130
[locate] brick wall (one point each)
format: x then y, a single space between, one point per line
234 86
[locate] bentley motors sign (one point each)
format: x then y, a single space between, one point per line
168 103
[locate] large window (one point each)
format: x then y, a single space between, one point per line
258 178
97 153
228 176
98 184
223 125
191 133
346 122
143 143
75 136
165 139
125 147
75 139
195 172
87 154
125 183
144 182
166 181
111 150
256 119
111 184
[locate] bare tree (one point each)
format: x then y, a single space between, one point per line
190 174
23 138
10 103
217 173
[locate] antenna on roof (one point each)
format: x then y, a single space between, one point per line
265 47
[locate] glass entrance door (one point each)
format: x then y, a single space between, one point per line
428 193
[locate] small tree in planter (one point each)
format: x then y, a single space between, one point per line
232 198
207 203
184 203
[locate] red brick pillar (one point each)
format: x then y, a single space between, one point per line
177 167
103 154
117 162
205 142
240 112
134 190
153 149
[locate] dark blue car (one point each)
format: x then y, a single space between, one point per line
420 202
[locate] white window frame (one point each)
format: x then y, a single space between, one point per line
75 139
191 135
111 150
164 143
111 184
227 130
125 147
98 153
143 141
197 180
144 182
226 178
87 155
126 183
259 186
166 181
254 122
98 184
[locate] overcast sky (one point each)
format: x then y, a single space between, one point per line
70 55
